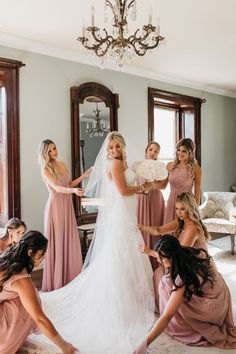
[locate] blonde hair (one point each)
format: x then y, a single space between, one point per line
116 136
43 156
153 143
191 208
190 147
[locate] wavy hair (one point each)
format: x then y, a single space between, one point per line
189 264
116 136
190 147
43 157
191 208
158 146
11 225
16 258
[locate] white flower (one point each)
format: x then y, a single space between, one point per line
152 170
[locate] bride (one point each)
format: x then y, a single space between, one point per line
109 307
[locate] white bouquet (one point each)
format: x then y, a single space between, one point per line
152 170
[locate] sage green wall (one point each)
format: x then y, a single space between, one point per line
45 113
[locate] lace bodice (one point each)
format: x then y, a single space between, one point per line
130 176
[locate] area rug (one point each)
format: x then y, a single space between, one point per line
220 250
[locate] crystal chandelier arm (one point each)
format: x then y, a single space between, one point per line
122 9
98 43
109 4
124 6
131 4
140 40
144 33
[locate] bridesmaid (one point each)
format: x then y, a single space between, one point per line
184 176
20 307
63 260
151 207
195 302
187 227
15 228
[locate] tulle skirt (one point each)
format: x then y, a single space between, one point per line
109 307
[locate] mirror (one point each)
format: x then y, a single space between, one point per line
94 110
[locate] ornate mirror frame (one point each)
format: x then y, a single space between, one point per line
78 94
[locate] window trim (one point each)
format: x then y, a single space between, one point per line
10 70
178 100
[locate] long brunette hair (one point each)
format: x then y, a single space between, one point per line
191 267
16 258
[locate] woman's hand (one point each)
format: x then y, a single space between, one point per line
142 228
87 173
71 350
78 191
147 186
66 347
144 249
158 184
142 348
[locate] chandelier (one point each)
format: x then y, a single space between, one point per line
97 128
120 46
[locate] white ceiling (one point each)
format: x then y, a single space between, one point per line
200 50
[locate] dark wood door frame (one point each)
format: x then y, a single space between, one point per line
9 70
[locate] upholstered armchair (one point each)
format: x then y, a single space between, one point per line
218 214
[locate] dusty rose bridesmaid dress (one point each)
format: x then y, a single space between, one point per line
150 212
203 321
15 322
180 181
63 261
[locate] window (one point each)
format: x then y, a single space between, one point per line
172 117
9 140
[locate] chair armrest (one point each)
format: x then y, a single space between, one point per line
204 210
232 215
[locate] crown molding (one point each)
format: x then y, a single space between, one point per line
28 45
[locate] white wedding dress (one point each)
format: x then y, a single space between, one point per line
109 307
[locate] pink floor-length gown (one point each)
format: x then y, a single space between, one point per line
63 261
15 322
150 212
180 181
203 321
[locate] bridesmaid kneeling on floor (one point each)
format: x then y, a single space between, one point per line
20 309
14 230
195 302
187 227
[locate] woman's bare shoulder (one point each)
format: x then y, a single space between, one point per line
61 164
170 166
114 163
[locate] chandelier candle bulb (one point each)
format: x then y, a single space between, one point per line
92 16
150 19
